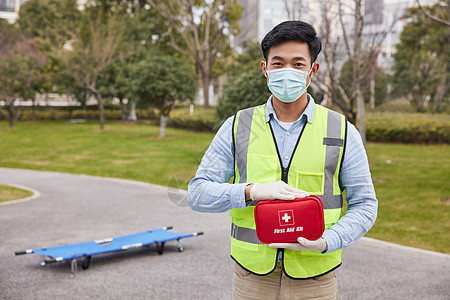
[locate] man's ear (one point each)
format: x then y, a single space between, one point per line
315 68
264 68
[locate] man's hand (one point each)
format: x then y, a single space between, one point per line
275 190
303 245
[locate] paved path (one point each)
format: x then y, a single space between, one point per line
76 208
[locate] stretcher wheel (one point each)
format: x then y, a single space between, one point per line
86 262
160 247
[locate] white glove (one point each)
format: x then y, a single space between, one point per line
275 190
303 245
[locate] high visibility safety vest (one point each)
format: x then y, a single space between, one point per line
314 167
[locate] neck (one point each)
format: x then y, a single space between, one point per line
290 112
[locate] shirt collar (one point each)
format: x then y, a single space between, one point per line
308 113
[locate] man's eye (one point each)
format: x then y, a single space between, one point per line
299 65
276 64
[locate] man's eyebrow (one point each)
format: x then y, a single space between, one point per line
299 58
277 57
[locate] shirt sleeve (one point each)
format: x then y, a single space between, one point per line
362 204
209 190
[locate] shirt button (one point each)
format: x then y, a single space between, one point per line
288 133
286 157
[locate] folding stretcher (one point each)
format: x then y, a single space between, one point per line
87 250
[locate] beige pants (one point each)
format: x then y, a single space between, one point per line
278 286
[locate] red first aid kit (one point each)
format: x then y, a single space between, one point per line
284 221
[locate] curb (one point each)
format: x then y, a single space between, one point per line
403 247
36 194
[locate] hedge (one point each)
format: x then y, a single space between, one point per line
380 126
58 114
408 128
201 119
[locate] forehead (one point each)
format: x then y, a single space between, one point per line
289 50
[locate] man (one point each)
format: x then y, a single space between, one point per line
286 149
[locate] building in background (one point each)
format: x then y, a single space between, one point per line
384 23
382 19
9 9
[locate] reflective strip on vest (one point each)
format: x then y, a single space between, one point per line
332 158
244 234
243 136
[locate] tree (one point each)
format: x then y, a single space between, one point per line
248 60
435 17
422 60
247 85
19 63
147 29
98 42
113 83
379 89
50 21
160 82
200 30
294 9
244 90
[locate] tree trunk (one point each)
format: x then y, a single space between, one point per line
372 88
221 80
11 114
132 116
329 90
101 110
440 94
33 109
124 110
162 125
84 101
206 78
357 68
361 114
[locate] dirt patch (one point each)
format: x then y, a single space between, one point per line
446 201
378 180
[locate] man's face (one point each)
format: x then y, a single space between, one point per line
290 54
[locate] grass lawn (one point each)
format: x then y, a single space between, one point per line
412 186
411 181
122 150
8 193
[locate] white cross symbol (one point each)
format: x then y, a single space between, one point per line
286 217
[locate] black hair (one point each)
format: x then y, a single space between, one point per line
293 31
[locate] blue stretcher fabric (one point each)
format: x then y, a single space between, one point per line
121 243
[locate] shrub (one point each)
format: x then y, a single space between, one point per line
50 114
201 120
110 114
408 128
84 114
146 114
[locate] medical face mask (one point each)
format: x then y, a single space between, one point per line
287 84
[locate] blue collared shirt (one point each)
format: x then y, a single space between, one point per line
209 190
